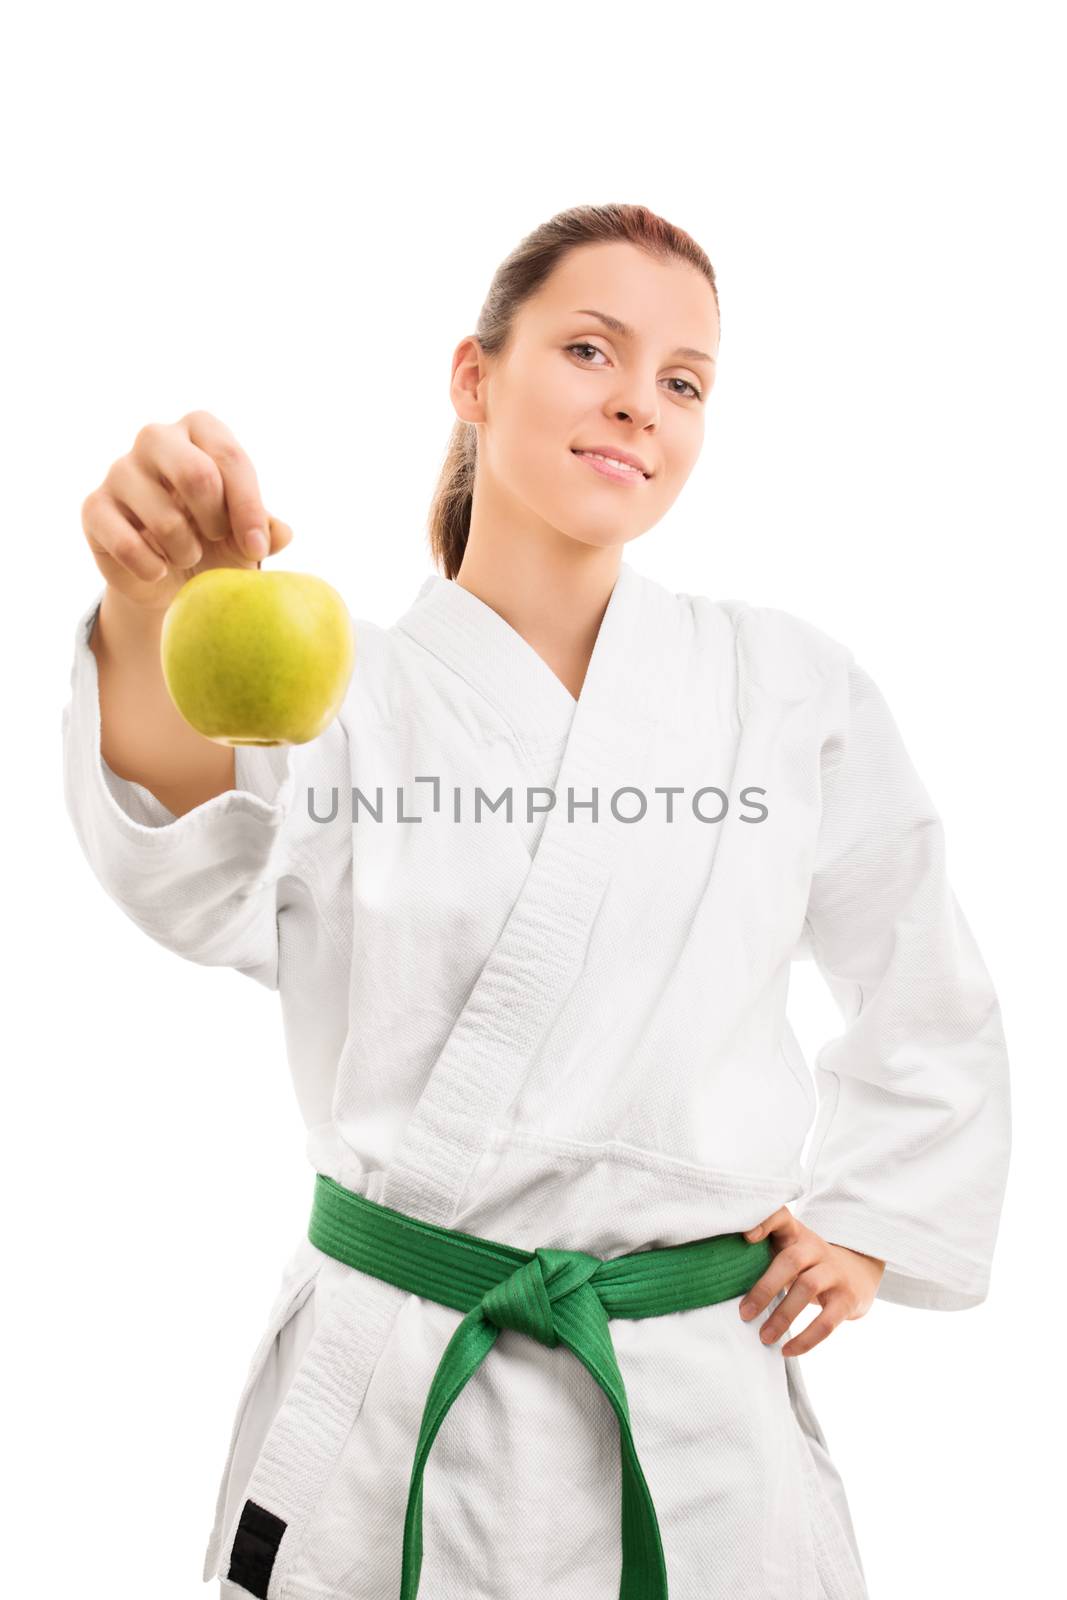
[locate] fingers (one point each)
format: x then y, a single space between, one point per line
244 510
186 474
834 1303
810 1284
783 1218
116 543
819 1282
164 525
279 534
184 500
807 1268
787 1264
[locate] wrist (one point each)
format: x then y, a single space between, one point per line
123 625
144 614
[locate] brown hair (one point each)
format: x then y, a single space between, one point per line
517 278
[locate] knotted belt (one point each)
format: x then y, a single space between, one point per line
554 1296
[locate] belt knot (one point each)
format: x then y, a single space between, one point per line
558 1297
525 1300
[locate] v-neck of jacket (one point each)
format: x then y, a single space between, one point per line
500 664
603 739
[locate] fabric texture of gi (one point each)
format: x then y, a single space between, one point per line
565 1028
553 1296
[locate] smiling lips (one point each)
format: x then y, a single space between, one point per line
613 467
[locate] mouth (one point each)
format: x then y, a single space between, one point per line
613 464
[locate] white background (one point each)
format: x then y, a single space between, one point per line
289 217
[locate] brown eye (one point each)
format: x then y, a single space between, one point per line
581 345
595 348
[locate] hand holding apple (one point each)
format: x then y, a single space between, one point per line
184 500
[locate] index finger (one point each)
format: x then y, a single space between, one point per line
244 503
773 1224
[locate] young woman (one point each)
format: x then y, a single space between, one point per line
530 905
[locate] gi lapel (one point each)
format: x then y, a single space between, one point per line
541 948
495 659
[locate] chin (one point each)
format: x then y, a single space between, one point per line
601 538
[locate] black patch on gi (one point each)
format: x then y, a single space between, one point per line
255 1545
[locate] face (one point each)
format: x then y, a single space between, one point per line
567 381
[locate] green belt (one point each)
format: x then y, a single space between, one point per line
554 1296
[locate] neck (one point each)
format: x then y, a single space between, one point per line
554 595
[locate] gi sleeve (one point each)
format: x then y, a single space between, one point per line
911 1140
205 884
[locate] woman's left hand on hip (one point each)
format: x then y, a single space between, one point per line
842 1281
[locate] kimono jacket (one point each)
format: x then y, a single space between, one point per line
532 956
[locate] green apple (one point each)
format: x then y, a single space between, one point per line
253 657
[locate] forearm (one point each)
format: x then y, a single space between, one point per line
143 736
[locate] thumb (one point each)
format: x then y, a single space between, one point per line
279 535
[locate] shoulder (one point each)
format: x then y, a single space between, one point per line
780 652
778 639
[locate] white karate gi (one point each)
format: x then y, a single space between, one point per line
571 1032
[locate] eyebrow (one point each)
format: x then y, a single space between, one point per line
628 333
